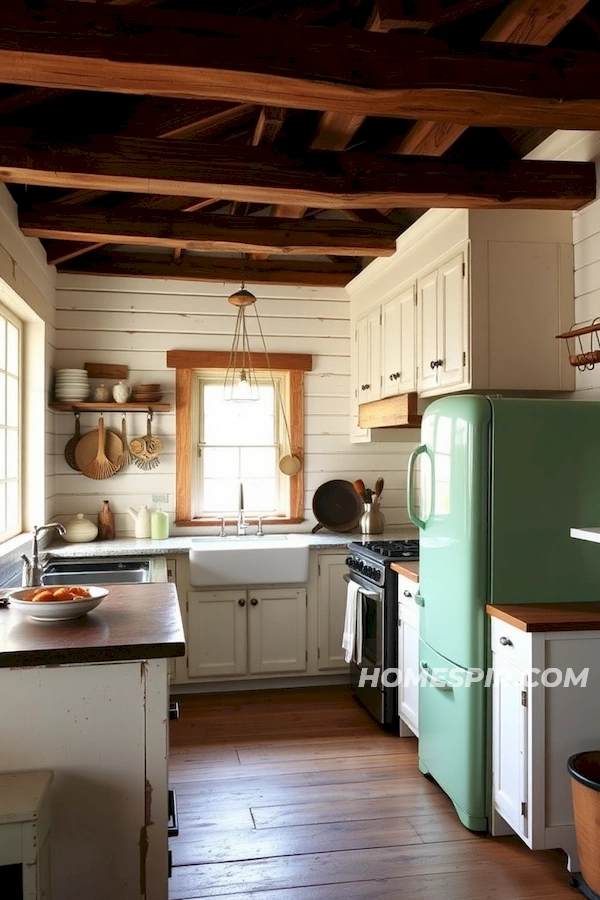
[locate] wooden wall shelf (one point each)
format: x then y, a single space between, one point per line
93 406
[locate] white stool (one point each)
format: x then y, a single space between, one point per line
24 828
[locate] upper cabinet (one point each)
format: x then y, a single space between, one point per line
471 300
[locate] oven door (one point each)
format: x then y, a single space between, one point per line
371 693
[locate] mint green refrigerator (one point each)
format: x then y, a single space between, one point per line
494 487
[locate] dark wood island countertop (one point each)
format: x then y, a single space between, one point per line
549 616
135 621
410 569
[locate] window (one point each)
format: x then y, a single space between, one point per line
220 444
10 425
239 443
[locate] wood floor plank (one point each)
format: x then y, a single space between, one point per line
229 845
298 795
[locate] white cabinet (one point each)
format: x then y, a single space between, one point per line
398 343
331 610
408 657
493 288
367 339
443 333
538 721
246 632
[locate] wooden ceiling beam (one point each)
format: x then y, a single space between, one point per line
522 22
209 232
318 179
230 58
60 251
198 268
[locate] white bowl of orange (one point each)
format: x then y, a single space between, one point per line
45 603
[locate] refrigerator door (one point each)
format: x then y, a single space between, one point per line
452 728
545 480
453 521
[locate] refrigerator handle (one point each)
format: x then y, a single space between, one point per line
434 680
414 518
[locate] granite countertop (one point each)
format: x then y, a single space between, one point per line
549 616
409 569
135 621
129 546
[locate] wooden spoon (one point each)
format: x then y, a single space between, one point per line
379 487
359 487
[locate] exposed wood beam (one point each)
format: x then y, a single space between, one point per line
522 22
61 251
268 126
198 268
209 233
389 15
317 178
181 121
28 97
167 53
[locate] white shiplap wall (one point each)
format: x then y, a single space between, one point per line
135 321
582 147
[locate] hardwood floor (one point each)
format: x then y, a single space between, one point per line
299 795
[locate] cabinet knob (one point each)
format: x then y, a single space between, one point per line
254 601
506 642
392 376
365 387
241 602
397 375
439 362
433 364
407 594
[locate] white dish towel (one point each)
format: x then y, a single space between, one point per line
352 637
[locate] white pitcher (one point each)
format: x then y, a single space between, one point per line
142 521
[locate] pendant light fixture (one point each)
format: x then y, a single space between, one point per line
241 383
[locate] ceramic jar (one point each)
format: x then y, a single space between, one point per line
101 394
121 392
80 530
159 525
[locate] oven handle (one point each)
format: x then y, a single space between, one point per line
433 680
372 595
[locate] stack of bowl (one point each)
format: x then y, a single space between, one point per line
72 385
146 393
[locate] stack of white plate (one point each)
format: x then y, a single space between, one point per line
72 385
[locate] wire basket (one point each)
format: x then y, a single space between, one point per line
583 344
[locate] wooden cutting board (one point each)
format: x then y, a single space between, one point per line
87 448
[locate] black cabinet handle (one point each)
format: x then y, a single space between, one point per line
407 594
254 601
506 642
432 364
241 602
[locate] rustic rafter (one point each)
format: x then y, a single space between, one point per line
521 22
209 232
317 178
198 268
230 58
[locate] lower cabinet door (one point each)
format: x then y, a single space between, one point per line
277 630
332 591
509 742
217 634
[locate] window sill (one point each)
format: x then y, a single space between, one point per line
210 523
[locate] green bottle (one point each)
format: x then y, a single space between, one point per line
159 525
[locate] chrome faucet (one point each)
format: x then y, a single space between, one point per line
32 569
241 522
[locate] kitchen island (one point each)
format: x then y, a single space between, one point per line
88 699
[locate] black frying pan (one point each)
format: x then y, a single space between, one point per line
336 506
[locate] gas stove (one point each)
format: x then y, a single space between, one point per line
371 559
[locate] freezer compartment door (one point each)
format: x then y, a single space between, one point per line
452 735
453 567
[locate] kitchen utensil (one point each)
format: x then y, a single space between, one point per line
99 453
57 610
126 453
337 506
379 487
72 443
359 487
146 449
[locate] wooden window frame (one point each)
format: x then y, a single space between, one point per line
185 363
